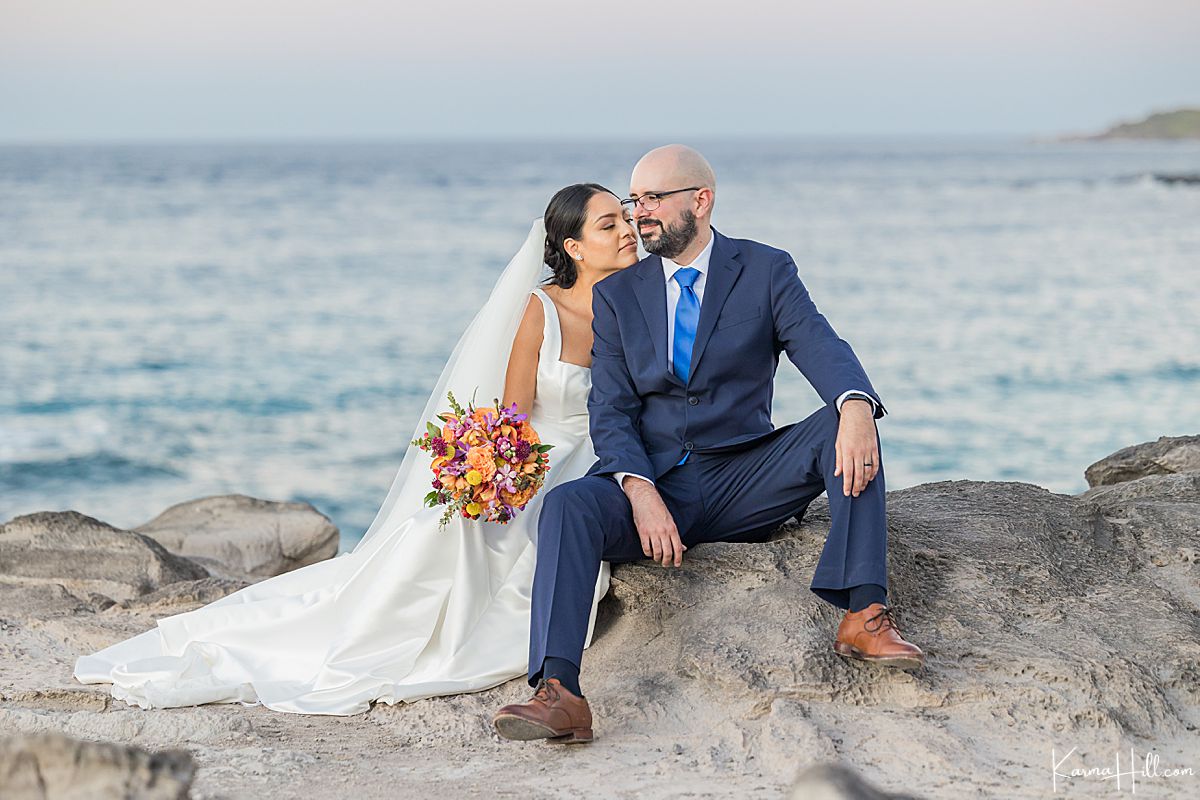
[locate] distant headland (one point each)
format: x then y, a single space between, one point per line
1180 123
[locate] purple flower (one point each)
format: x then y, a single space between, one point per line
438 446
523 450
509 414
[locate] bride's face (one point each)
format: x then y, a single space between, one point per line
608 242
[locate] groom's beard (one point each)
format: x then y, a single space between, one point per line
671 241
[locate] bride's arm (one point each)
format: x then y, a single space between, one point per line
520 382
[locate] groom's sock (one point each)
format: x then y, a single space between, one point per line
566 672
863 595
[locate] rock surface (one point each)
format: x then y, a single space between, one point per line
1054 625
1166 456
241 536
58 767
86 556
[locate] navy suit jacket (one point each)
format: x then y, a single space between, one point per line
644 418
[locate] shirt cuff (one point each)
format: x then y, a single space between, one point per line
619 477
856 393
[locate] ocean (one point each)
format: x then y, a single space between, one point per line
181 320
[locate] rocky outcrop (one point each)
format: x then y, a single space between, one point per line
86 557
1168 455
244 537
51 766
1052 624
1048 621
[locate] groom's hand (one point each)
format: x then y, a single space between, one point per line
857 447
655 525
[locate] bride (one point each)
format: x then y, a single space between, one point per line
413 611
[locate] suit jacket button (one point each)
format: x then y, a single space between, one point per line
687 445
693 400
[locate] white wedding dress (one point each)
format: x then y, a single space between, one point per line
412 612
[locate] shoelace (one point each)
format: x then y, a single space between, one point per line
543 692
885 618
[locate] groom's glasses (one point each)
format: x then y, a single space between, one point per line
650 200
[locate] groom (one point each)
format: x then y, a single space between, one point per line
683 363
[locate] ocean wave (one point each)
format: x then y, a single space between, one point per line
1168 372
93 469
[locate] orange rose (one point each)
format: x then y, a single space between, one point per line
485 493
528 434
520 498
483 460
479 414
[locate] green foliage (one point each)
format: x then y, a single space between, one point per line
459 411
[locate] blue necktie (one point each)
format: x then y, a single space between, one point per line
687 314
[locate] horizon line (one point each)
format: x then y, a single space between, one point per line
506 138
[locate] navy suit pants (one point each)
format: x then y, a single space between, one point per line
726 496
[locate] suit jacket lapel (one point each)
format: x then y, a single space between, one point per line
723 271
652 297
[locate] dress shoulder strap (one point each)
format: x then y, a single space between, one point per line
551 331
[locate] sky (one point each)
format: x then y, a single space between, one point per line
105 70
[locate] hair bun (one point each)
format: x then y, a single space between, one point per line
558 262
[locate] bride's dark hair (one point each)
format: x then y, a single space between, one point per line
564 219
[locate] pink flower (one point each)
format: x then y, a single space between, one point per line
506 475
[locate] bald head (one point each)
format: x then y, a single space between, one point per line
672 166
679 187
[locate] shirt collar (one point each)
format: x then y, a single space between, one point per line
701 262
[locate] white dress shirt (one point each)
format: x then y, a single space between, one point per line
673 292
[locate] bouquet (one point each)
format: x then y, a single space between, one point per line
488 462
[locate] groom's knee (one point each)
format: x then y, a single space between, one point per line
830 420
569 500
587 492
579 504
825 424
562 498
820 426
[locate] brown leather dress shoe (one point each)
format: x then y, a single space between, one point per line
872 635
552 713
